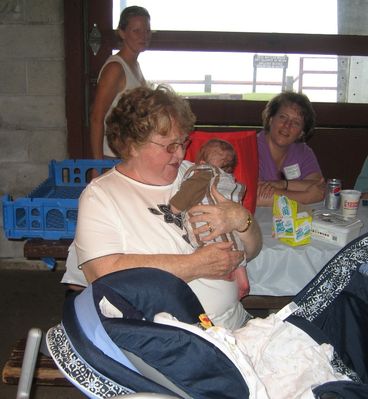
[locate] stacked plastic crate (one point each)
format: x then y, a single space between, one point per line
50 210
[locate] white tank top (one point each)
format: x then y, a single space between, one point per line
132 82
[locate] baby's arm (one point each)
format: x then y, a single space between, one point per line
191 192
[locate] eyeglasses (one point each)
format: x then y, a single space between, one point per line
173 147
294 123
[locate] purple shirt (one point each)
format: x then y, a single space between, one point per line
300 161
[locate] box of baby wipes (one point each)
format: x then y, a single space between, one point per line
291 224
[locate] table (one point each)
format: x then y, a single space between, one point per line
282 270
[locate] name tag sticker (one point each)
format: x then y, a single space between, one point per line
292 172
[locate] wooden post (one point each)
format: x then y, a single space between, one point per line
207 83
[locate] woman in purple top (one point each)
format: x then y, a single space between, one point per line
287 165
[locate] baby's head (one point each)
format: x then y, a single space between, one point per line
217 152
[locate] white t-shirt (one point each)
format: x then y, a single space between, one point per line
117 214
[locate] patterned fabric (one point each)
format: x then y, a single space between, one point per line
226 185
332 279
340 367
77 371
328 285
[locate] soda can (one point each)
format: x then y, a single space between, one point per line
333 190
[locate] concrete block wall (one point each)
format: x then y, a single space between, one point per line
32 98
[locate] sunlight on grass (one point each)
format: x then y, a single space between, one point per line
225 96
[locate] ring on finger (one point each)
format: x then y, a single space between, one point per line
210 228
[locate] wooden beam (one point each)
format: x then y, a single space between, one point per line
265 302
282 43
39 248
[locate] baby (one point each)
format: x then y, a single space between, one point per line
215 162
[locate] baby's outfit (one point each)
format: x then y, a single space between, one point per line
196 189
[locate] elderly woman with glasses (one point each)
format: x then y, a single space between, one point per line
287 165
124 217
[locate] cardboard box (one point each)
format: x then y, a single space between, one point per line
291 223
331 227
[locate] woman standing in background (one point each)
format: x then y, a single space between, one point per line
120 72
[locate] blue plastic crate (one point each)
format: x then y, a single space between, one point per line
50 210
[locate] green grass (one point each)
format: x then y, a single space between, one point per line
259 96
244 96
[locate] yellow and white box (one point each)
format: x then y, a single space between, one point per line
291 224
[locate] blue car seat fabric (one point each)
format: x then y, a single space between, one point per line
98 361
192 364
341 390
336 301
150 291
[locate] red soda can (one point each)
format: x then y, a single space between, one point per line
333 190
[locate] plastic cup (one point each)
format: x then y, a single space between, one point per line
350 203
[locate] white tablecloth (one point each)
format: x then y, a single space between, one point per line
280 269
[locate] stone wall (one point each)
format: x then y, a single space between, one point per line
32 98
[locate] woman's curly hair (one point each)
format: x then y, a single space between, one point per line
144 111
291 98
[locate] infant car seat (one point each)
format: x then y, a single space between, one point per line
112 350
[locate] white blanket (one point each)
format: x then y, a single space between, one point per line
276 359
